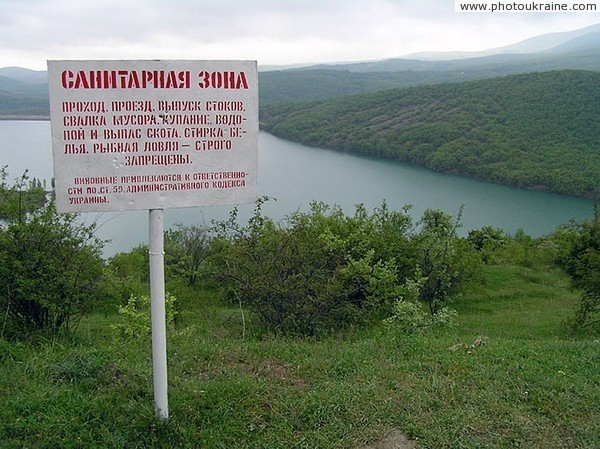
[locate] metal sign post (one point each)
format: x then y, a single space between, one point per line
157 305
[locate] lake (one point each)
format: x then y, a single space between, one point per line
295 175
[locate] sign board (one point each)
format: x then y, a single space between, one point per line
153 134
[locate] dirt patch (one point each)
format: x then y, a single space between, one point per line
273 369
393 440
279 370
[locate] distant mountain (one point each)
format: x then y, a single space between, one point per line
582 43
329 81
23 93
25 75
534 130
537 44
552 48
579 49
549 42
20 88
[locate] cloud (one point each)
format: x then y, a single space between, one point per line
272 31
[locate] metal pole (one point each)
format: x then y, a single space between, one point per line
157 309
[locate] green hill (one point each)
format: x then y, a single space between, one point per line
537 131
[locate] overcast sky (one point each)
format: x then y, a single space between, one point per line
270 31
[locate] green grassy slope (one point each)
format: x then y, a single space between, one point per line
529 385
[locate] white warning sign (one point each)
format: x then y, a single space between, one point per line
132 135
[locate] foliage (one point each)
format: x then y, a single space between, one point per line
445 262
529 130
126 274
20 199
322 271
136 317
581 259
488 241
408 316
531 385
186 249
50 267
131 265
293 86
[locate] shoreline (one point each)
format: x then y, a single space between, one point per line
26 117
538 188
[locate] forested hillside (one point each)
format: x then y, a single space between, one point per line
538 131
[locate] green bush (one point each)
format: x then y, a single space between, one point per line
319 272
23 197
488 241
409 318
445 261
125 275
322 270
186 249
580 257
136 317
408 315
50 268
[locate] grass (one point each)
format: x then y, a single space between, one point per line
518 302
531 385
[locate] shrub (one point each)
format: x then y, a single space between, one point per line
50 269
186 249
125 275
584 268
487 241
20 199
408 316
320 272
136 317
445 261
579 254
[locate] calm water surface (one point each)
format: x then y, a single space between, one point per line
296 175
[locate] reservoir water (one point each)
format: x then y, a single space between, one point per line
295 175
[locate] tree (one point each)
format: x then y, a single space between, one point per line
126 274
186 248
582 262
21 198
50 266
446 261
487 241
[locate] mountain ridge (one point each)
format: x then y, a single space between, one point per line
24 75
24 92
535 44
